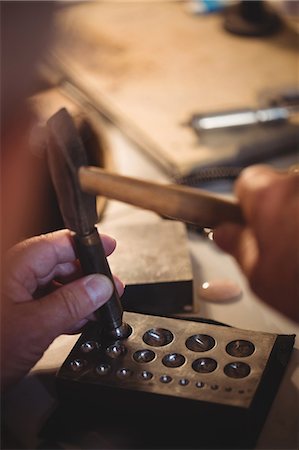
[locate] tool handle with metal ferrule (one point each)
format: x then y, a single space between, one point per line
92 257
190 205
66 154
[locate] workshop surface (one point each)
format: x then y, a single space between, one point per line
149 66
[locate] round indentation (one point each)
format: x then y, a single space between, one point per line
124 372
146 375
116 350
237 369
122 332
165 379
200 342
184 381
204 365
89 346
103 369
173 360
199 384
77 365
220 290
214 387
240 348
144 356
157 337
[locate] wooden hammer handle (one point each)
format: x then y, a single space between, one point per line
190 205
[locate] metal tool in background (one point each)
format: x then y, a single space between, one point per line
241 117
248 135
66 154
274 106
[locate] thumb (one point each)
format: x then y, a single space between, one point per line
73 302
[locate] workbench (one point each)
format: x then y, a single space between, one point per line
31 402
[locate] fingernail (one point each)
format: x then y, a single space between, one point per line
99 288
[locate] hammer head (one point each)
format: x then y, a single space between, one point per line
66 154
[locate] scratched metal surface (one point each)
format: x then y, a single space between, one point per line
150 252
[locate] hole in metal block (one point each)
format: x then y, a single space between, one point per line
89 346
146 375
240 348
103 369
237 369
124 373
77 365
116 350
165 379
173 360
144 356
204 365
157 337
200 343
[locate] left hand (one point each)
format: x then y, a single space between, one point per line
42 297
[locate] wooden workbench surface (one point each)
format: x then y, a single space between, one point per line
149 66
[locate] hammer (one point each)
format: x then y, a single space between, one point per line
76 184
66 154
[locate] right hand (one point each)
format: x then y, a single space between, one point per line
267 246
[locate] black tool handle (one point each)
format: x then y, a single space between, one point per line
92 257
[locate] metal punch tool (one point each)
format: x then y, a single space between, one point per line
66 154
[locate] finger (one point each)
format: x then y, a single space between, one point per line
258 185
78 328
109 243
240 243
74 271
65 273
64 309
51 249
225 236
38 260
120 287
255 177
267 196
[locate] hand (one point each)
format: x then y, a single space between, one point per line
42 298
267 246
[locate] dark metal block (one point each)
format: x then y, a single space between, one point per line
153 260
171 384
